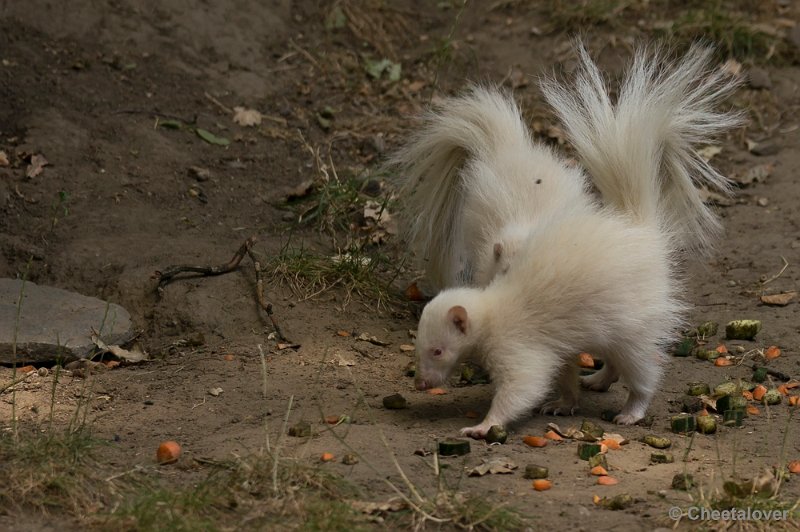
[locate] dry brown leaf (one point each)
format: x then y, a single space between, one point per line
3 158
493 466
36 166
246 117
779 300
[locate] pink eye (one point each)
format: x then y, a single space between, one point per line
437 352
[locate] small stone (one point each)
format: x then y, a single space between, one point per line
658 442
762 202
215 392
496 434
682 481
698 388
662 458
535 471
349 459
758 78
199 173
395 402
300 430
43 372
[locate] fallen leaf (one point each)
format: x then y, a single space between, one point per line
170 124
771 352
133 355
281 346
246 117
756 174
493 466
214 392
779 300
376 69
211 138
714 198
36 166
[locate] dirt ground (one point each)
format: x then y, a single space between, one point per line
88 85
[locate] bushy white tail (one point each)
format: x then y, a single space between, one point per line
482 127
641 151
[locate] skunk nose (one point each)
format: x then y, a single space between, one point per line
421 384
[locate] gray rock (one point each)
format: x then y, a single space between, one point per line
56 323
758 78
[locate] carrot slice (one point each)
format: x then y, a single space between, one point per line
607 481
758 392
552 435
771 352
599 471
542 484
535 441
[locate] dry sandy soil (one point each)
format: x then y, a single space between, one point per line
87 83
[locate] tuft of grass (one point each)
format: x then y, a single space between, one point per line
354 270
733 28
50 472
247 492
567 15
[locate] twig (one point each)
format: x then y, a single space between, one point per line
165 277
260 293
785 265
168 274
219 104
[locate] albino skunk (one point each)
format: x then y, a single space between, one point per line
533 270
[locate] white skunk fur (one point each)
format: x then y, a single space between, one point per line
534 270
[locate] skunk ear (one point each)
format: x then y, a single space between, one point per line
498 251
458 316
